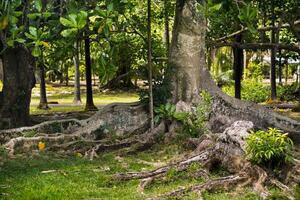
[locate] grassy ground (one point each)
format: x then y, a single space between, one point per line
64 97
28 178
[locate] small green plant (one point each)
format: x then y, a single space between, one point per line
30 133
172 174
252 90
195 122
269 148
166 112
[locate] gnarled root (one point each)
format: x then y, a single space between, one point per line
126 121
226 151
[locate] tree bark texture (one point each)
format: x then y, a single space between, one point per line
273 68
77 95
190 76
18 70
88 76
43 94
238 68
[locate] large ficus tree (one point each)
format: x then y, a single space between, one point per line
190 76
18 64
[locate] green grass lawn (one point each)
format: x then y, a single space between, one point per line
24 178
63 95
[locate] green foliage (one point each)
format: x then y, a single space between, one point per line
224 78
37 39
256 91
194 123
30 133
73 23
161 90
252 90
287 92
248 15
270 147
166 112
256 71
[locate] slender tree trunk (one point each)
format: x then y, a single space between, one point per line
67 74
18 79
189 77
273 66
88 76
150 66
77 95
238 67
1 71
280 68
167 28
43 94
286 71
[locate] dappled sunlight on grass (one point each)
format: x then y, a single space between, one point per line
52 176
60 109
63 97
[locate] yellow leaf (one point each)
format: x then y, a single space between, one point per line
41 146
45 44
79 155
1 85
3 22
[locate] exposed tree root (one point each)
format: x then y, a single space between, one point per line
123 120
129 122
55 126
228 152
220 183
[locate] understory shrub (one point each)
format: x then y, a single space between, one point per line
252 90
287 92
194 123
256 91
270 148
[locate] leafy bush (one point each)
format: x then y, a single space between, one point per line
166 112
256 71
252 90
270 148
225 78
287 92
194 123
161 91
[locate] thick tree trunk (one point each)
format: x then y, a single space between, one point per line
88 76
18 69
187 53
238 68
77 95
190 76
43 94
